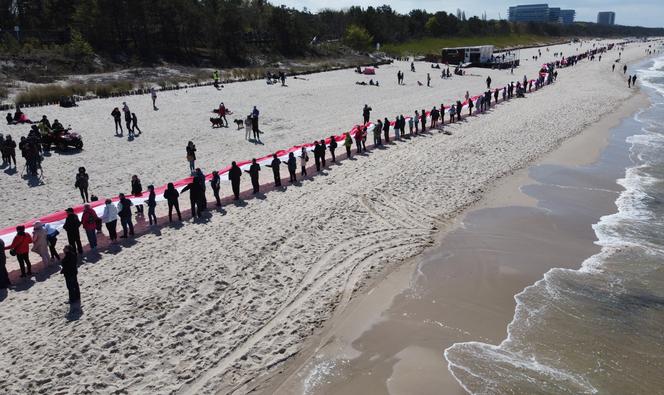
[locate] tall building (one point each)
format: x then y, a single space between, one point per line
567 16
540 13
606 18
529 13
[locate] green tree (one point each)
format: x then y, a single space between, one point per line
357 38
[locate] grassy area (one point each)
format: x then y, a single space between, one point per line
432 45
53 92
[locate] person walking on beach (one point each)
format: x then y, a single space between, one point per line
153 94
124 212
292 167
110 219
215 184
254 171
332 146
4 276
137 191
127 116
134 123
71 226
70 271
629 81
52 239
234 175
21 248
348 142
428 79
304 158
366 113
274 165
488 82
152 203
82 183
625 69
117 118
89 222
40 242
634 80
191 156
171 195
613 67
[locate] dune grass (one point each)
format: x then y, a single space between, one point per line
53 92
432 45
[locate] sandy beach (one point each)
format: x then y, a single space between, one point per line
219 305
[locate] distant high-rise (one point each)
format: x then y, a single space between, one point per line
567 16
540 13
606 18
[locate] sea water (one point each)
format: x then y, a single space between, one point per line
599 329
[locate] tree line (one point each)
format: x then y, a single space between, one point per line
229 32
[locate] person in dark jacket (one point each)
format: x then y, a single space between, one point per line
386 130
215 184
199 177
71 226
82 182
10 150
322 152
195 193
234 175
366 113
124 212
152 203
332 146
117 117
137 190
275 170
171 195
292 167
70 271
423 120
134 123
4 276
317 155
459 107
253 171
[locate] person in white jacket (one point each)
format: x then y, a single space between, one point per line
110 218
40 244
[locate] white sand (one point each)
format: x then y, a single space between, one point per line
207 307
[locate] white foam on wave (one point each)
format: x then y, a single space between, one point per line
631 207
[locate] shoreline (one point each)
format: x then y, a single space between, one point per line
377 297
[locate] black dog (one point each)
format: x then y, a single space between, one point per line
239 123
217 122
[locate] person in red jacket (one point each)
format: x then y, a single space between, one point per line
21 246
89 222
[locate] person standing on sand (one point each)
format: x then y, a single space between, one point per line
317 155
386 130
348 142
625 69
152 203
89 222
195 193
410 127
153 94
423 120
110 218
495 97
52 239
215 184
124 212
451 111
434 118
171 195
428 79
234 175
358 140
191 156
117 118
304 158
70 271
215 78
137 190
127 116
629 81
40 243
21 247
416 121
470 107
134 123
292 167
254 171
4 276
322 152
634 80
71 226
366 113
254 124
377 131
488 82
222 113
459 107
333 146
82 183
274 165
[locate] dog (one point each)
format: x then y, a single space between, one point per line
239 123
217 122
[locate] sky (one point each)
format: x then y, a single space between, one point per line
648 13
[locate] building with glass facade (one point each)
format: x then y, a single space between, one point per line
606 18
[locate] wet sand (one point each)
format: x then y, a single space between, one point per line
392 340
